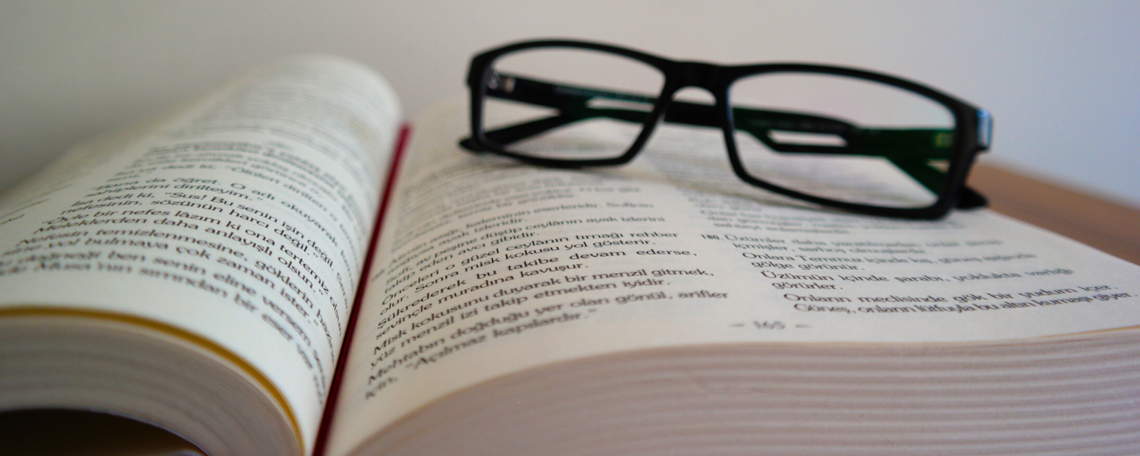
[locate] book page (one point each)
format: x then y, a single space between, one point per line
488 267
244 220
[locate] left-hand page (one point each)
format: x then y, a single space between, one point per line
239 224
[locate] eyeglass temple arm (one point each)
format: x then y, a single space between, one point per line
572 105
909 150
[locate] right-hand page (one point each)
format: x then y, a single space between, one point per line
488 266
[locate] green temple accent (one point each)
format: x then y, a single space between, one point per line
911 150
930 144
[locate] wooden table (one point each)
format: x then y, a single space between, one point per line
1105 225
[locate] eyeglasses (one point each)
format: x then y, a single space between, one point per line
840 137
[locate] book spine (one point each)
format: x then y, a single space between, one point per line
386 196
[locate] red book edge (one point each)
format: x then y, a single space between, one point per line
385 198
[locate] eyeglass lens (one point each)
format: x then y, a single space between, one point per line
583 105
842 138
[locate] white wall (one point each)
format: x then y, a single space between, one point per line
1062 79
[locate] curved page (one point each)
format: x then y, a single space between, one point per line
243 220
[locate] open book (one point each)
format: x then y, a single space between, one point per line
209 273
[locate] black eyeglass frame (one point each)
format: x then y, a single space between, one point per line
972 133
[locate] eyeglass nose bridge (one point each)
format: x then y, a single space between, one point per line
683 75
696 74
